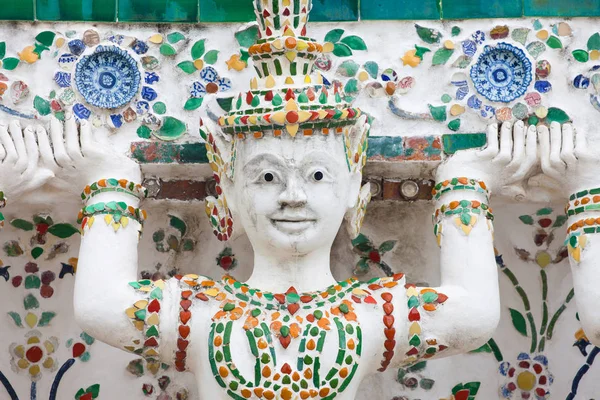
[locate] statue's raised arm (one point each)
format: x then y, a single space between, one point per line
567 158
109 302
463 312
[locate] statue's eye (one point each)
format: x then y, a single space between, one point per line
269 177
318 175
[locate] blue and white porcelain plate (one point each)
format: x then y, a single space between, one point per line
107 78
502 73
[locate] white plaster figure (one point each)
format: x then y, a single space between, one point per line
291 195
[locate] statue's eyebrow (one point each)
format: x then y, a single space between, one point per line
259 161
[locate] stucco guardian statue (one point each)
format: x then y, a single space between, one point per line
288 161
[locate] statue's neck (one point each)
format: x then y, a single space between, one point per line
306 273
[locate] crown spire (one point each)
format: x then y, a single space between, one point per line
286 96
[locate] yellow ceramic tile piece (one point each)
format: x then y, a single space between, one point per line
301 45
253 83
328 47
212 292
411 291
456 110
141 304
23 363
292 129
363 76
594 55
289 80
304 116
90 221
60 42
34 370
28 55
130 312
151 352
156 38
199 64
153 319
124 221
449 44
291 105
116 226
411 59
31 320
108 219
49 346
307 79
139 325
278 117
543 34
270 81
277 44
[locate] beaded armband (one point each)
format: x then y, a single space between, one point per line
577 235
586 200
465 213
2 205
116 214
114 185
461 183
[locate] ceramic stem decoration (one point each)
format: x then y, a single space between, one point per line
289 158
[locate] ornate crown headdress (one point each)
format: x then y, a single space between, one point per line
286 97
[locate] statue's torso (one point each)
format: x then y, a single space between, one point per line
247 344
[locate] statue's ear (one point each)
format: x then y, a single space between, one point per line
355 143
219 151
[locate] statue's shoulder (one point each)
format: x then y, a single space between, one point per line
370 292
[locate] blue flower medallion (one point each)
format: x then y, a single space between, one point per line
502 73
107 78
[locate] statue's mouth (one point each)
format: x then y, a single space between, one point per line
293 225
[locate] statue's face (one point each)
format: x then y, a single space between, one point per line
291 194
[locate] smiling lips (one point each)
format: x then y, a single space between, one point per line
292 224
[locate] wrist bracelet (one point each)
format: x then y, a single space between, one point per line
586 200
115 213
588 225
465 211
576 236
461 183
114 185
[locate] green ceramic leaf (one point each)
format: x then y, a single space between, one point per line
87 338
473 387
593 42
175 37
372 68
79 393
560 221
187 66
442 56
46 38
22 224
348 68
554 42
557 115
247 37
454 125
167 50
341 50
30 302
63 231
211 57
36 252
144 132
483 349
354 42
518 321
387 246
32 282
198 49
178 224
171 129
42 106
16 318
94 390
438 113
421 51
46 318
351 86
225 103
544 211
581 55
526 219
159 107
193 103
455 31
428 35
418 366
334 35
2 49
10 63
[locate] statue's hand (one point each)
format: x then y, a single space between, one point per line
503 165
79 157
20 171
567 159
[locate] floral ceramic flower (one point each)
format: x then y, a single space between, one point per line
34 355
212 83
529 378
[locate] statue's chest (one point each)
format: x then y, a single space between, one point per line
286 346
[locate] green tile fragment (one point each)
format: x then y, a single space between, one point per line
158 10
462 141
76 10
21 10
469 9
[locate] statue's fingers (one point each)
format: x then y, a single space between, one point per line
45 148
58 143
87 140
16 133
72 138
544 139
491 150
506 144
8 144
567 152
31 145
